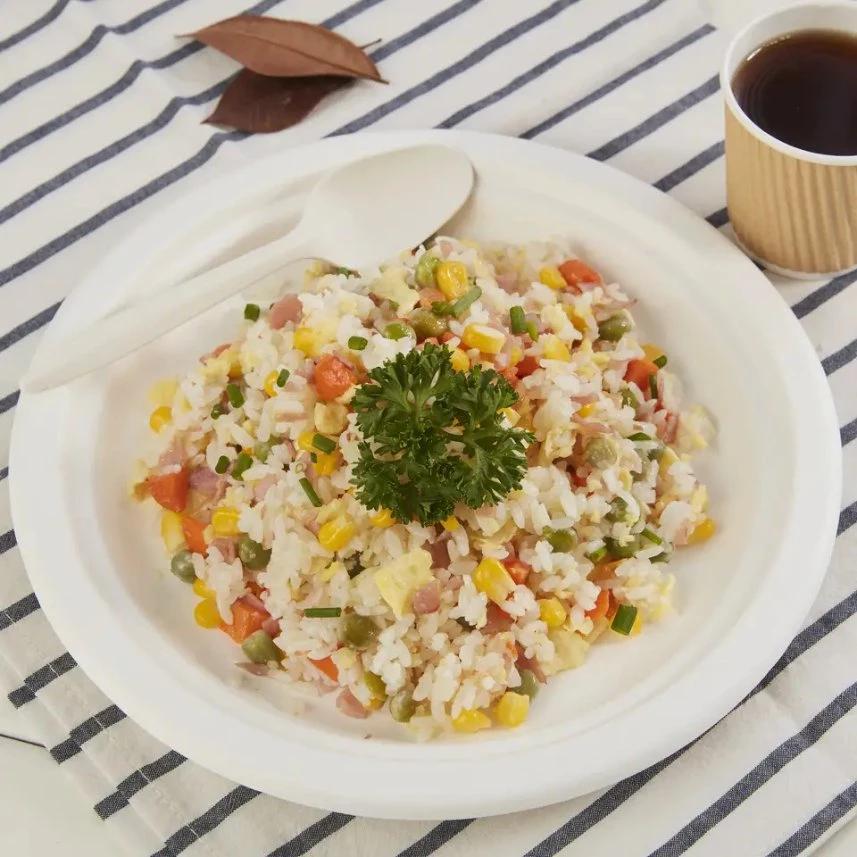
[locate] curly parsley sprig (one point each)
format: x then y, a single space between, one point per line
433 437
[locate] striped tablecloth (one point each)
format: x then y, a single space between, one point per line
100 109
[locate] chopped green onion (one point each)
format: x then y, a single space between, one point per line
357 343
251 312
628 398
218 411
618 510
597 555
466 301
313 457
656 452
396 331
621 550
325 444
638 436
663 556
310 492
653 386
235 396
222 464
242 463
441 308
283 377
345 272
652 537
661 361
624 619
533 331
518 320
323 612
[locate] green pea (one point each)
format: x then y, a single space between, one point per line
529 684
218 410
618 510
425 324
561 541
358 631
376 685
263 449
402 706
622 551
601 452
614 328
252 554
628 398
396 330
424 273
181 565
261 649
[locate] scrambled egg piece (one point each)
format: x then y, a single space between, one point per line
398 580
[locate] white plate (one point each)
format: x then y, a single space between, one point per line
100 575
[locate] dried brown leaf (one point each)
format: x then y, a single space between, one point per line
279 48
260 104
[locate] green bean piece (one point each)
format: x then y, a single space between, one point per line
259 648
310 492
597 555
617 550
466 301
661 361
624 619
517 320
181 565
235 396
628 398
618 510
251 312
638 436
222 465
252 554
652 537
533 331
242 462
325 444
218 410
283 377
653 386
323 612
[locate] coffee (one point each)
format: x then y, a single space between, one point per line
802 89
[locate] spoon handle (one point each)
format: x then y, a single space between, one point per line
131 328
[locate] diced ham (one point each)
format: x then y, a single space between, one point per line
498 620
531 664
216 353
507 282
255 669
350 705
283 311
669 429
174 456
439 551
426 599
454 583
263 486
313 526
204 480
431 296
271 627
254 601
227 549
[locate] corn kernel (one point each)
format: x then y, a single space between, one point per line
486 339
159 418
668 459
382 519
336 534
375 685
556 349
326 462
201 589
450 524
516 355
512 709
637 626
587 410
552 278
270 385
511 415
471 721
172 533
224 521
702 532
652 352
552 612
163 392
491 577
305 340
206 614
577 321
451 279
460 361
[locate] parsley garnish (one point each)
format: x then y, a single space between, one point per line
433 437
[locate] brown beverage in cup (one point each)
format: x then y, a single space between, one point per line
790 85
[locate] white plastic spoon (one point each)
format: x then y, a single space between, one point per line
360 214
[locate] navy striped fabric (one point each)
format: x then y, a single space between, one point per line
101 108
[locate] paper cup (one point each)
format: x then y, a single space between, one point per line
793 211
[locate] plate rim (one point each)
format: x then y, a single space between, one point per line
665 210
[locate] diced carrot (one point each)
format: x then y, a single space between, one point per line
575 272
639 372
170 490
327 666
246 620
446 336
527 366
517 569
602 605
510 373
332 377
194 535
612 607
